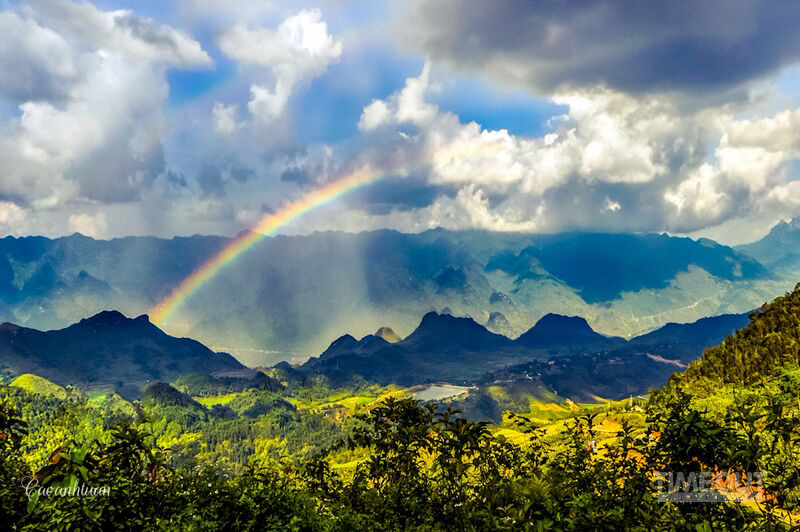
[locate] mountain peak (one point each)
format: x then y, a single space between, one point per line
575 323
437 331
109 348
106 317
114 318
498 322
343 343
785 227
388 334
435 320
8 326
554 330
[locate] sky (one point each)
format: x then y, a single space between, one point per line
189 117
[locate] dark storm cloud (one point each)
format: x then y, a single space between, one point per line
213 178
297 175
397 194
114 175
692 47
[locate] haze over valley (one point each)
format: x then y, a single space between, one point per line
289 297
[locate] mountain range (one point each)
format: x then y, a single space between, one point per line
289 295
564 352
779 250
107 350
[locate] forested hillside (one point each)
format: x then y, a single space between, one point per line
771 340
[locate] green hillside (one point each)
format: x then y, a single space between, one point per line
39 385
770 341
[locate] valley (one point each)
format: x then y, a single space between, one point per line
303 291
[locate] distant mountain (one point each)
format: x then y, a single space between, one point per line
439 334
442 347
162 394
603 266
570 332
687 341
388 334
289 296
779 249
632 369
498 323
562 354
107 349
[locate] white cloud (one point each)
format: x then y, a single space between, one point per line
11 215
785 199
299 50
656 161
86 115
225 118
470 208
375 115
100 138
698 196
37 62
755 153
612 205
123 32
94 226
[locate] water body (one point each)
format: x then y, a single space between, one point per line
437 392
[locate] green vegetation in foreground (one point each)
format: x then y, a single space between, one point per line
299 459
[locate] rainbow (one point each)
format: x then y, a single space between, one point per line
361 177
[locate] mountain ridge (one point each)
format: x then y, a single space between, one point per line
459 350
304 290
107 349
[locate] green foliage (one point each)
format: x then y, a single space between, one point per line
770 341
35 384
198 385
255 403
423 469
12 467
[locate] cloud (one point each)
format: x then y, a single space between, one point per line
299 50
99 137
708 48
11 215
94 226
214 177
613 162
123 32
409 193
90 129
225 121
756 152
38 63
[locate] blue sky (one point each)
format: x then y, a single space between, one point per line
190 117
